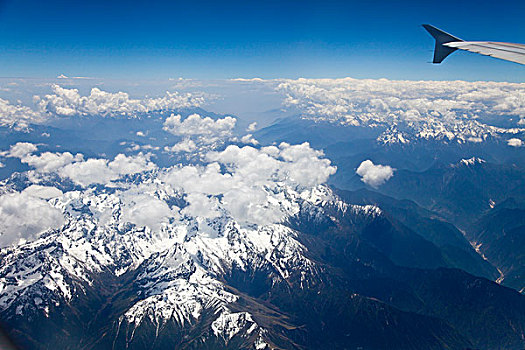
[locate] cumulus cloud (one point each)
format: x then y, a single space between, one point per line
124 165
23 216
374 175
143 209
515 142
63 102
103 171
89 172
249 139
18 117
82 172
69 102
240 180
186 145
260 80
202 126
45 162
20 150
50 162
201 205
449 110
133 147
252 127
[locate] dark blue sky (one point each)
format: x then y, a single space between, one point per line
269 39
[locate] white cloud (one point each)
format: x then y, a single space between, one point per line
20 150
24 216
42 192
374 175
244 180
50 162
260 80
103 171
124 165
45 162
18 117
63 102
134 147
89 172
201 205
249 139
74 167
195 125
515 142
200 179
186 145
246 183
252 127
142 209
69 102
475 139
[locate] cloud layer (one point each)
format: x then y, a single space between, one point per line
450 110
246 183
63 102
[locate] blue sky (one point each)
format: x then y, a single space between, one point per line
269 39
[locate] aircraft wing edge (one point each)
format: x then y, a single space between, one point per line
447 44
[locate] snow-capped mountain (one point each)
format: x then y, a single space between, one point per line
178 268
148 223
199 281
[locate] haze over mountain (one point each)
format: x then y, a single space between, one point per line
392 209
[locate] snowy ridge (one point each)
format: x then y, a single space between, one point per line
460 132
39 274
228 325
181 299
178 265
470 162
172 236
323 197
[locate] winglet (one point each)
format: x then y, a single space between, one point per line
441 51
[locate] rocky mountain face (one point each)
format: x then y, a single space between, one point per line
499 235
331 274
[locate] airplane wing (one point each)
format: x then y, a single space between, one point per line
446 44
505 51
